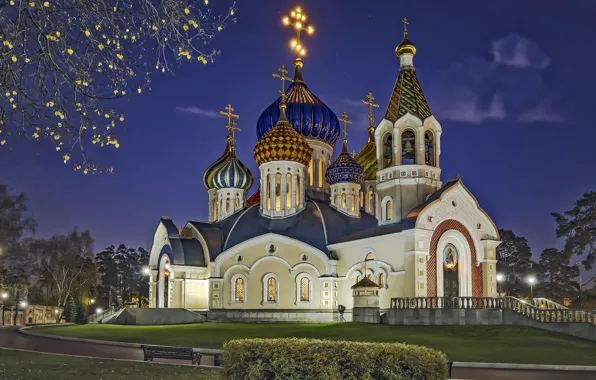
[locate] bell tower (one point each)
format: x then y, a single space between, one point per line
408 144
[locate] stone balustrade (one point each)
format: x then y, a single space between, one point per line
541 311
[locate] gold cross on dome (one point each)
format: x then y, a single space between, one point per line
370 102
344 119
231 129
353 153
405 21
230 115
282 76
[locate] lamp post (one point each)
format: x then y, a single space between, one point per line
500 278
531 281
3 297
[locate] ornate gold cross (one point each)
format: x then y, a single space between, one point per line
231 126
370 102
344 119
405 21
231 129
283 79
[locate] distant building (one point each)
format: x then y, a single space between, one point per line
300 242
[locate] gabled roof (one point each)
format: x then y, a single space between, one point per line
407 97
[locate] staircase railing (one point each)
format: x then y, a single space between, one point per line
104 314
553 314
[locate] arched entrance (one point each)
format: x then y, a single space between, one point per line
450 271
163 283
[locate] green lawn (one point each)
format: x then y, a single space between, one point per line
28 365
505 344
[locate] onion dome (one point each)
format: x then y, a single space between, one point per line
367 157
406 46
232 173
282 143
210 172
344 168
308 115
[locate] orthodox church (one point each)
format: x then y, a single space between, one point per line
315 227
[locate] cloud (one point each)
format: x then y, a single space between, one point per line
199 112
506 86
542 112
354 103
516 51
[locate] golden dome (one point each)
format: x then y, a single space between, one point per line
406 46
282 143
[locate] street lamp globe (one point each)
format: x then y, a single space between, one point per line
98 310
23 304
500 277
92 301
531 280
146 271
4 296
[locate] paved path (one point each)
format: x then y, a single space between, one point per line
11 338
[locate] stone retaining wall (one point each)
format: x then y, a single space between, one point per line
505 317
312 316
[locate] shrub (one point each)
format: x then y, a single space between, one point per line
70 311
292 358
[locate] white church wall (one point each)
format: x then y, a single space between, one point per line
196 294
256 259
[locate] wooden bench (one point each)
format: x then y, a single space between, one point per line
166 352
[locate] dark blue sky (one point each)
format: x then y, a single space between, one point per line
512 83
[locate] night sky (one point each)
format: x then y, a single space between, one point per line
512 83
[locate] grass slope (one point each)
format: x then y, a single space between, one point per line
28 365
504 344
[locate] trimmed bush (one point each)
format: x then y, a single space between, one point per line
293 358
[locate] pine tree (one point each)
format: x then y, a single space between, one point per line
81 316
70 311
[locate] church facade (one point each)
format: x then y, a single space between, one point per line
315 227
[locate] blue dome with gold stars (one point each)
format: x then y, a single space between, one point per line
308 115
344 169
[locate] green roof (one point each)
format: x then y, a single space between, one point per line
407 97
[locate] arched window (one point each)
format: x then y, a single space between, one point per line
228 205
361 198
320 172
429 149
408 148
297 190
353 201
311 175
271 291
370 199
288 192
357 279
343 200
387 150
388 211
239 290
304 289
237 202
381 279
268 192
214 209
278 192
